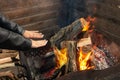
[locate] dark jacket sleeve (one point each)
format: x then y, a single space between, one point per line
7 24
14 41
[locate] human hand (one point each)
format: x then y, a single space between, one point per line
38 43
32 34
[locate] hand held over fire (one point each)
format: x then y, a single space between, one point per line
32 34
38 43
35 35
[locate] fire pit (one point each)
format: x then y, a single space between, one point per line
71 55
87 49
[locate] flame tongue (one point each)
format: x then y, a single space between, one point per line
83 60
85 24
61 57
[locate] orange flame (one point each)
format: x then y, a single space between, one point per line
61 57
85 24
83 60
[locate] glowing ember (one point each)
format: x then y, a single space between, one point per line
83 60
61 57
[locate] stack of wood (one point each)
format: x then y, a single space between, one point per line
7 58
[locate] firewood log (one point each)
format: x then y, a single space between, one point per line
67 33
4 55
5 60
7 65
71 52
7 74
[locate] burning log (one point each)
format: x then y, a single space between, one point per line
70 32
72 54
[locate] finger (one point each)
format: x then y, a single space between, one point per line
35 31
42 43
38 43
37 35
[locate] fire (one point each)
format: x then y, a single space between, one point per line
83 60
85 24
61 57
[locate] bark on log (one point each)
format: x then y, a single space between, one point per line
71 46
67 33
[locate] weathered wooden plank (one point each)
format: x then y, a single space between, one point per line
8 5
40 25
111 2
32 14
109 12
18 13
36 18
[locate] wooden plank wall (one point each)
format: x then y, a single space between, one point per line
72 10
32 14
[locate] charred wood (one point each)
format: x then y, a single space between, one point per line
49 63
72 53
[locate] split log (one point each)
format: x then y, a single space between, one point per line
7 65
4 55
8 59
84 42
71 46
8 74
67 33
5 60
